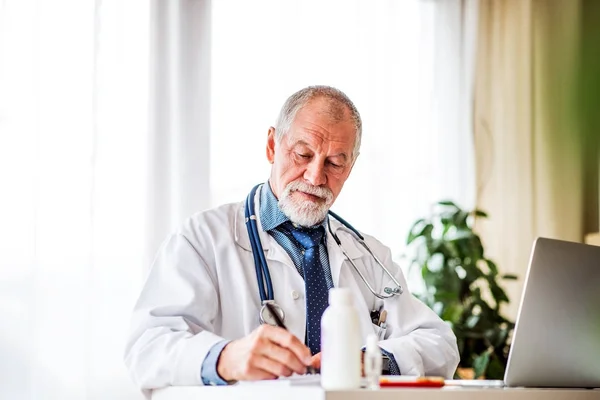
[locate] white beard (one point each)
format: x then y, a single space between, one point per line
305 212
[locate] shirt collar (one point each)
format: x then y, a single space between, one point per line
271 215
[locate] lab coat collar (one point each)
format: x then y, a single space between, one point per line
274 251
240 229
349 241
277 253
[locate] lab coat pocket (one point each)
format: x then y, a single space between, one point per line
379 331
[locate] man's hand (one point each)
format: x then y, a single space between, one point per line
266 353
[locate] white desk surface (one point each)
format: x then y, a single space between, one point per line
266 392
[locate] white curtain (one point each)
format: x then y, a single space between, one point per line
73 117
179 136
119 118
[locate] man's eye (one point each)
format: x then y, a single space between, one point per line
335 165
303 155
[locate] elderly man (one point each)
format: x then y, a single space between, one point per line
198 318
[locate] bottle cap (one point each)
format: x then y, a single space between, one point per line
340 296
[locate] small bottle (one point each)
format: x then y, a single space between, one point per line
340 342
372 362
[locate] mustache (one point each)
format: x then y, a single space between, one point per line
318 191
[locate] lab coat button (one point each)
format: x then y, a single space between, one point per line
295 295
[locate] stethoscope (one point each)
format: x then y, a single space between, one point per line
262 270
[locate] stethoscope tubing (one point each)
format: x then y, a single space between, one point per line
260 263
389 291
347 225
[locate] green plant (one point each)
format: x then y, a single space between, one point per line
462 286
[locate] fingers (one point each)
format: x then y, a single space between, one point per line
287 340
271 367
284 357
316 361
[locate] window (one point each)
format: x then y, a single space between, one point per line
383 56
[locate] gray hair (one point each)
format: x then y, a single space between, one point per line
338 103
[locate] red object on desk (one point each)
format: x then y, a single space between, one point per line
422 381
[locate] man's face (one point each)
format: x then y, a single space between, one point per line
311 162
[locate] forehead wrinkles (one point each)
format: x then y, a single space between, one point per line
319 141
318 138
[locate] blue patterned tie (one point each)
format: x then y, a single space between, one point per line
314 281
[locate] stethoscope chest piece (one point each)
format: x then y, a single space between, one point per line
265 315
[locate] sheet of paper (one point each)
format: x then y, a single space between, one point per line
294 380
474 383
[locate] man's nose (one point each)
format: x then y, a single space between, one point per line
315 173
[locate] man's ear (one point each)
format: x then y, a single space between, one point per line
271 145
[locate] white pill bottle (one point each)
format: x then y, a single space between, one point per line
340 342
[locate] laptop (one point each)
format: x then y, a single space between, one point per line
556 341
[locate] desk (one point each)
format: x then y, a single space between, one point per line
266 392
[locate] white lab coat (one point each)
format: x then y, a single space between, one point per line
202 288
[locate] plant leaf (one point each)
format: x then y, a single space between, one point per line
448 203
498 293
460 218
413 233
422 254
478 247
480 213
472 321
495 369
459 234
501 338
480 364
492 266
436 262
452 313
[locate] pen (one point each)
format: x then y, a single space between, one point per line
382 325
310 369
382 317
275 315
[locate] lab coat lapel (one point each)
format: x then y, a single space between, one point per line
274 252
241 232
